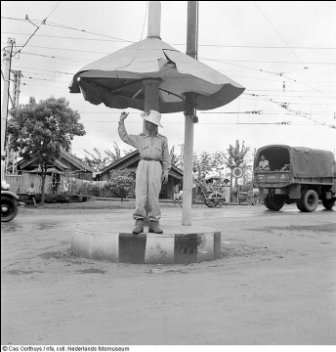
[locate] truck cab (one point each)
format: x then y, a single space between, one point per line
300 175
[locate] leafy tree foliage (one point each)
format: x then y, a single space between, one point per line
235 157
97 161
115 154
121 182
203 164
236 154
206 164
40 130
174 158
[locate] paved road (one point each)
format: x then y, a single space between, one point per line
275 282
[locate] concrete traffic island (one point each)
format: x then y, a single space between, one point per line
178 244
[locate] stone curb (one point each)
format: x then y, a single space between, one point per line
177 247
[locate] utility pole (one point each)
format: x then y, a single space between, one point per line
190 117
4 111
11 156
16 87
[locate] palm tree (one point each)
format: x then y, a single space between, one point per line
174 158
115 154
235 157
97 161
94 159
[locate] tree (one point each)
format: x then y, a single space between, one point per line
115 154
96 161
219 162
121 181
235 157
174 158
41 130
203 165
236 154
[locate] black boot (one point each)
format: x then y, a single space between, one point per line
139 226
154 227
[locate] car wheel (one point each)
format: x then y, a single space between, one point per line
9 208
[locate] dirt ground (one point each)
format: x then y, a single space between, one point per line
274 284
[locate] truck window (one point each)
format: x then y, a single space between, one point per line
278 158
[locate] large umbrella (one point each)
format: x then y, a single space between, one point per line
151 74
117 80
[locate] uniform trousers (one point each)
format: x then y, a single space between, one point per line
147 190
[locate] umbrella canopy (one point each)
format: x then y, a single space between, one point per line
117 80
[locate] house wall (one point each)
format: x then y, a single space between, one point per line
105 177
20 183
167 190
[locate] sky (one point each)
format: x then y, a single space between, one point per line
281 52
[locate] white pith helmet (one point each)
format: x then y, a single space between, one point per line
153 117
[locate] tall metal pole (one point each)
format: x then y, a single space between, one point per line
151 86
190 117
5 98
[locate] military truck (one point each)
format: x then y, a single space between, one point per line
298 175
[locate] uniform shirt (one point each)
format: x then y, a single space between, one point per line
149 147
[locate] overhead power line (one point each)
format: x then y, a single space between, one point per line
72 50
44 70
58 25
120 40
37 28
270 61
278 33
220 60
73 38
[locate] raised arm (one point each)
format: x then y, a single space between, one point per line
125 137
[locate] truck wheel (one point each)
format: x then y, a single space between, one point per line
274 202
277 202
267 203
309 200
299 204
328 203
9 208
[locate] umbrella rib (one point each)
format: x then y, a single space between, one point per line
125 85
137 93
176 95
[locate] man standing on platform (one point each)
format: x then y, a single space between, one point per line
151 172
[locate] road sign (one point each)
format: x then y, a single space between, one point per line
237 172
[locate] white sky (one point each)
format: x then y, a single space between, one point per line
300 41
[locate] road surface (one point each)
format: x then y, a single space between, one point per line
274 284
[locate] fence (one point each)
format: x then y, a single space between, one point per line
20 183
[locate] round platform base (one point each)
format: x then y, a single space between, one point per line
178 244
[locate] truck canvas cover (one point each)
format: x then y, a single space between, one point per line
305 162
308 162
